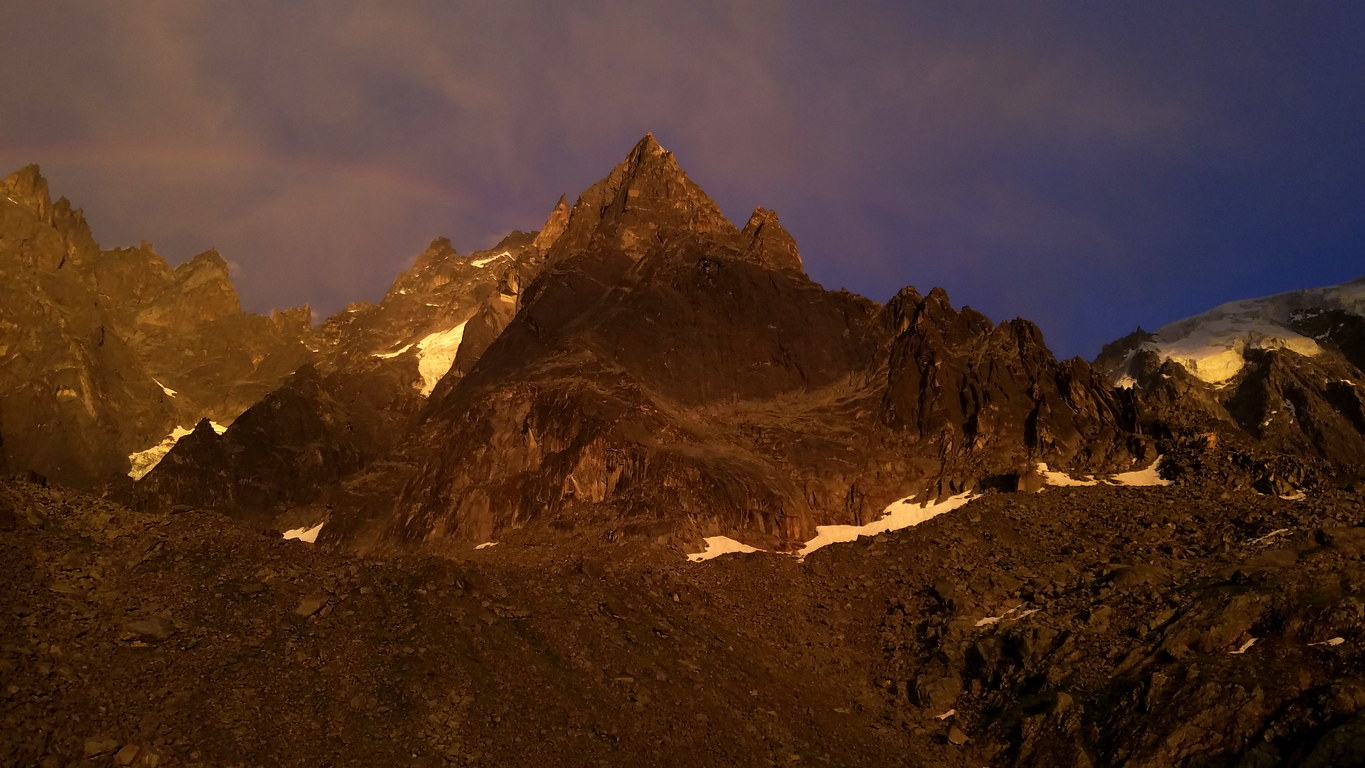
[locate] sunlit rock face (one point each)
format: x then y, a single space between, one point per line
671 376
372 371
110 356
106 352
1280 373
1213 346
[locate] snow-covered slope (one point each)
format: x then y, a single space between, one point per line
1211 345
436 353
144 461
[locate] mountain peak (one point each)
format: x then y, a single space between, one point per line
209 261
770 242
648 158
644 198
648 147
554 226
27 187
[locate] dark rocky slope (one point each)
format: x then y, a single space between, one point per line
189 639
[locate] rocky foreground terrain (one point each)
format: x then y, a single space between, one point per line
1182 625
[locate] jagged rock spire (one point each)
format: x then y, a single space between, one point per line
770 243
27 186
555 224
644 198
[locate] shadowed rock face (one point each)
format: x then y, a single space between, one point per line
288 449
668 375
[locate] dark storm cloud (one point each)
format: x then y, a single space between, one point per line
1088 167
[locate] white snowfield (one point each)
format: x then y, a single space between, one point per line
435 354
906 513
897 515
1211 345
309 535
1136 478
144 460
721 545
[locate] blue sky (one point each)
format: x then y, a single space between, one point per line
1092 166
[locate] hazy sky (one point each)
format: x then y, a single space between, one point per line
1089 165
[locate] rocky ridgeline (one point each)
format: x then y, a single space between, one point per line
638 367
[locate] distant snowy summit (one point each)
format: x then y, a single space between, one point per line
1212 346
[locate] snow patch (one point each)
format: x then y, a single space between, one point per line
164 388
1295 496
144 460
396 353
1013 614
946 715
1142 477
721 545
309 535
436 353
897 515
1330 643
1062 479
1137 478
485 261
486 545
1244 647
1267 537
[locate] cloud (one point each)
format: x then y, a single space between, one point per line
321 144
